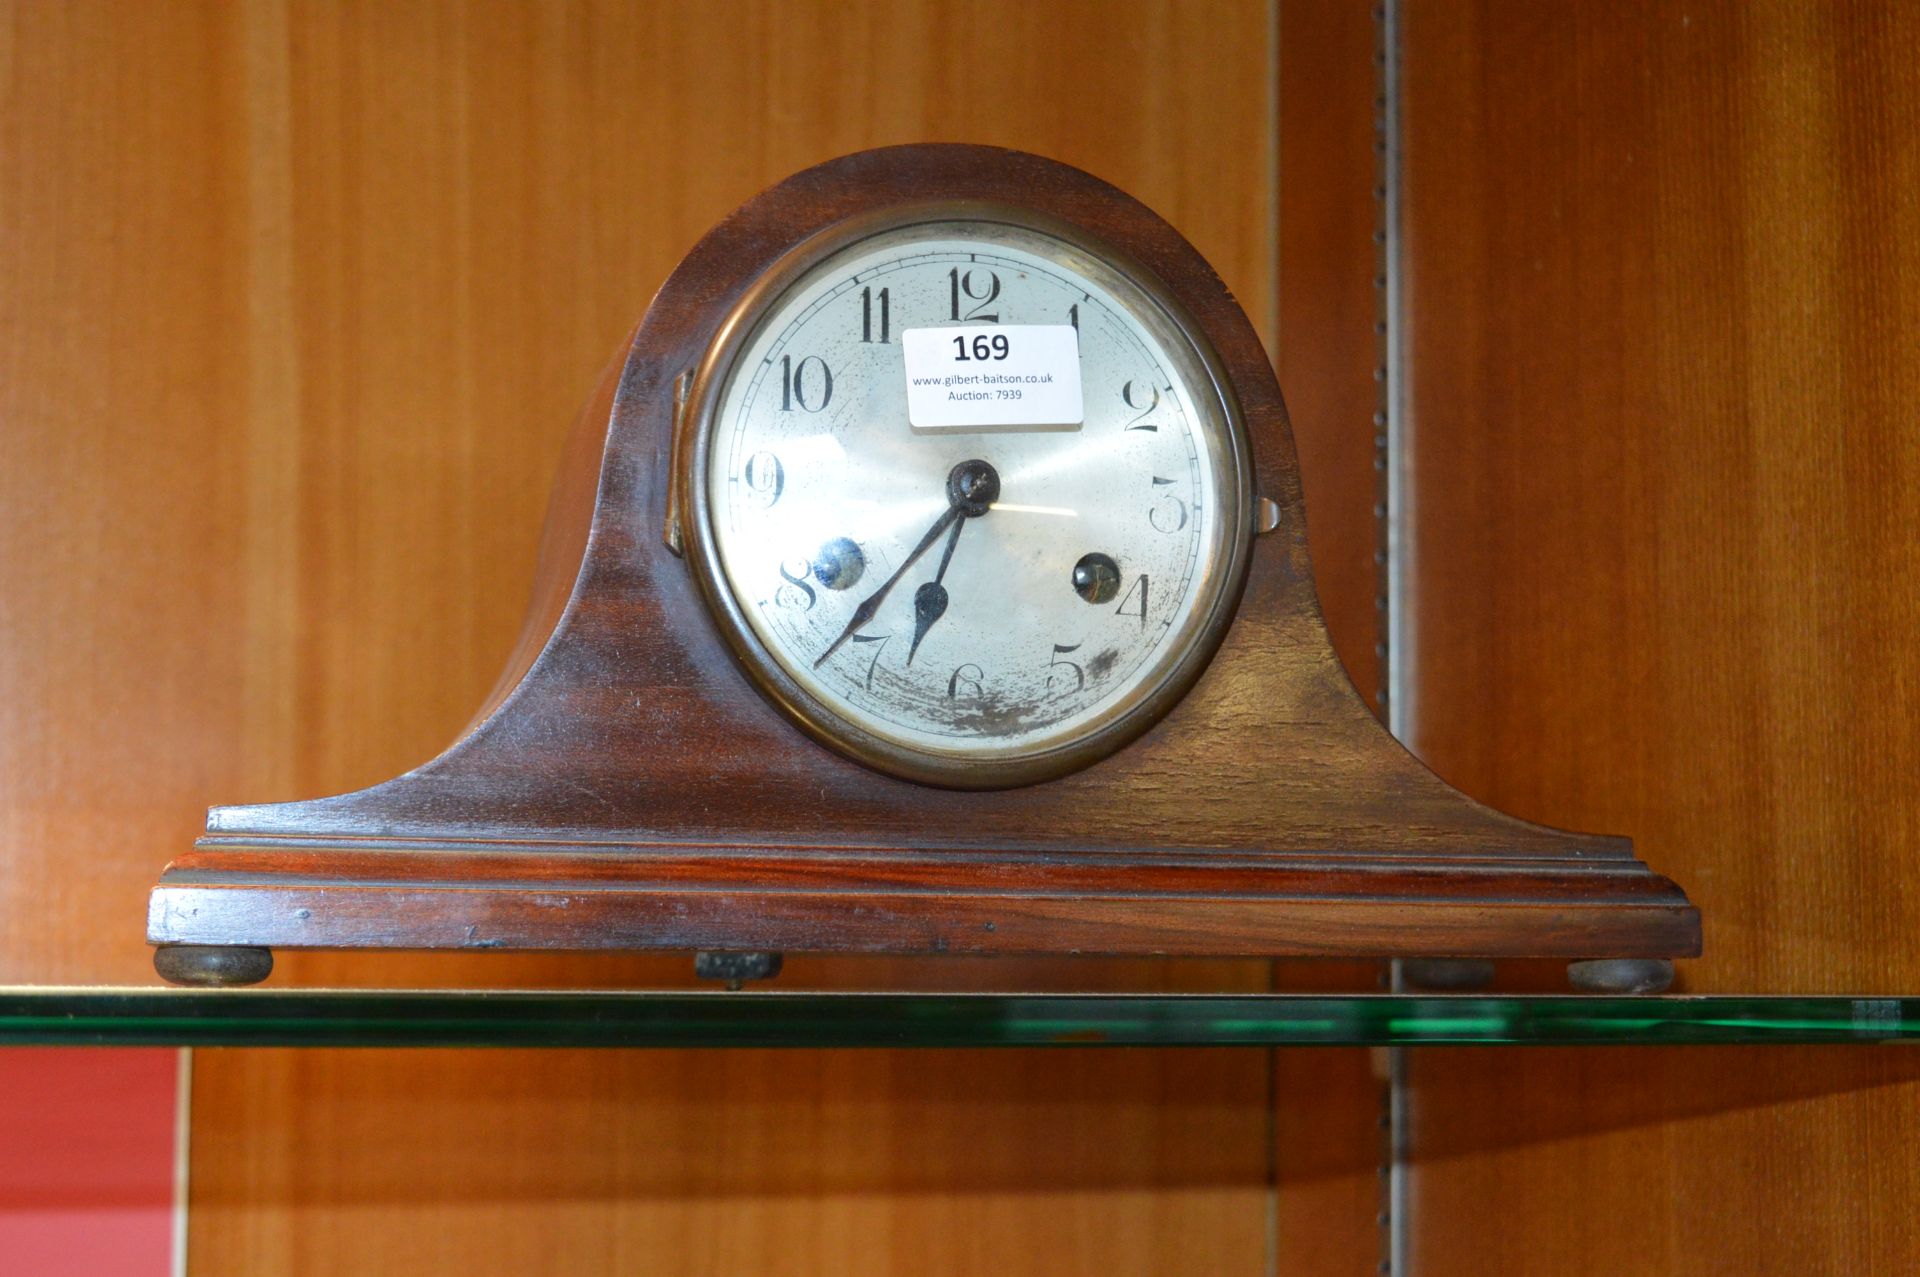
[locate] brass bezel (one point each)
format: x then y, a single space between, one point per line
692 455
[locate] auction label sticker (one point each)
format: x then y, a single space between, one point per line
993 376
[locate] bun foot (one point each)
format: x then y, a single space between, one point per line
212 966
1446 975
735 967
1621 975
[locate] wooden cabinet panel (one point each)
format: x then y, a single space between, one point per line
1666 525
1328 1146
1328 350
300 300
1677 1160
1664 538
550 164
831 1162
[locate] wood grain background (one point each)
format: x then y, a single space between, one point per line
1665 355
297 302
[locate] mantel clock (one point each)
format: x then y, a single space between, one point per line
928 575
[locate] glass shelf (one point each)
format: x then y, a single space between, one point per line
470 1018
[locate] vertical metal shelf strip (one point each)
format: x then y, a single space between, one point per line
1391 427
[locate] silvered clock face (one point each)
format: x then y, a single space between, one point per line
973 598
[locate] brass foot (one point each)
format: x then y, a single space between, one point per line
1446 975
215 966
1621 975
735 967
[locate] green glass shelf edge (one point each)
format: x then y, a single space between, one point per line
476 1018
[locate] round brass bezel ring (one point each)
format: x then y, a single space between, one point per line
1147 704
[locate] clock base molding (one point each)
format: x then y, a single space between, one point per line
260 896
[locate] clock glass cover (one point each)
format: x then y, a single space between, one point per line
1003 580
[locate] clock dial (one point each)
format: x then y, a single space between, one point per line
991 590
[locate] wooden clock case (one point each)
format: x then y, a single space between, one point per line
624 786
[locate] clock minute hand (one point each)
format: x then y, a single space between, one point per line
871 604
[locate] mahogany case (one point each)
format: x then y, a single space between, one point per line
625 787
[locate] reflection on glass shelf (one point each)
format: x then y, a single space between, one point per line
169 1017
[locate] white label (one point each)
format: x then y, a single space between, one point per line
993 376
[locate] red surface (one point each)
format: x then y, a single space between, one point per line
86 1161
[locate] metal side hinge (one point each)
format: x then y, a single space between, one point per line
675 532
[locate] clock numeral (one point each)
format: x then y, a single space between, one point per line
812 393
867 299
966 288
881 639
1130 395
1073 316
1168 512
796 587
1140 588
967 680
1079 675
766 478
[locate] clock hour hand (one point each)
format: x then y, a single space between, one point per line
870 605
930 600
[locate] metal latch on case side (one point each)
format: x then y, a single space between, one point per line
1266 515
675 538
